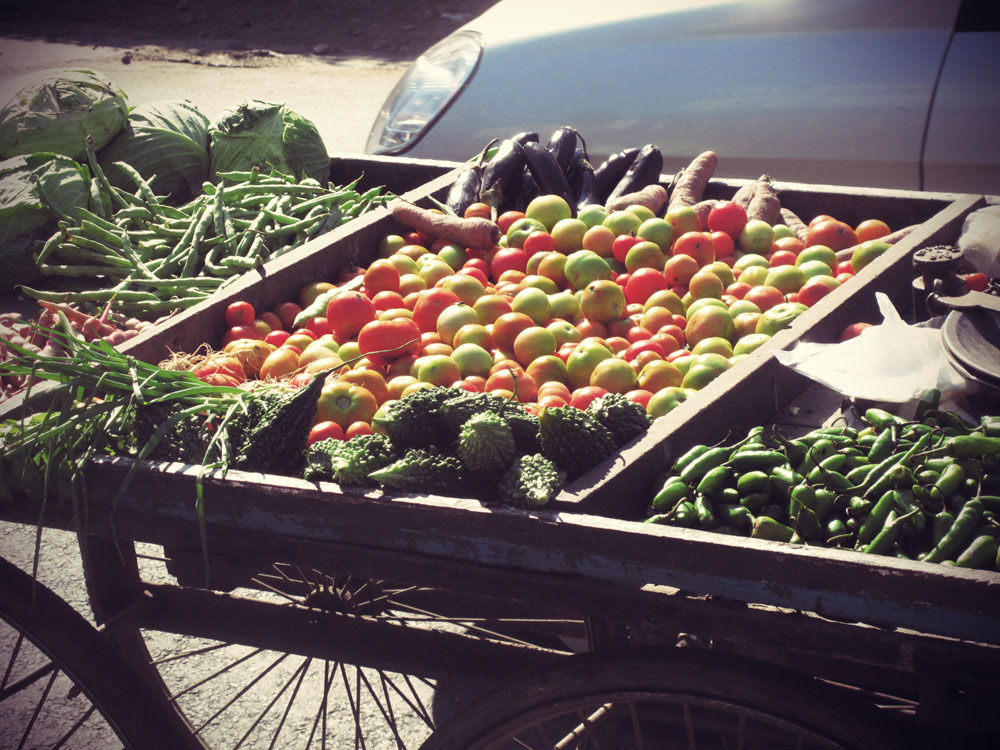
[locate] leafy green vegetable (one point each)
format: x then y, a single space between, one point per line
268 136
57 112
166 140
35 190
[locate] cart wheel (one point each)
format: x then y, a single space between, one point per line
231 695
62 684
665 699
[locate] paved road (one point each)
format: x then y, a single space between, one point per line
342 98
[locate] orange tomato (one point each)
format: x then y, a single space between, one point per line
347 314
381 276
871 229
478 210
344 402
835 234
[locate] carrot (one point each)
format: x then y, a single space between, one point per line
702 209
689 186
473 232
892 239
653 197
799 228
765 205
744 195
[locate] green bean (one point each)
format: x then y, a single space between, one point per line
88 270
74 252
288 229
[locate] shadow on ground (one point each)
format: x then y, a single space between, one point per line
393 30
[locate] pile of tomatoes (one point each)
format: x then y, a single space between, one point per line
563 310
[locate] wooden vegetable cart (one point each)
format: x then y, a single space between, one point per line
400 609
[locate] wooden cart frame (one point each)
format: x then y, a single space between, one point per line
931 633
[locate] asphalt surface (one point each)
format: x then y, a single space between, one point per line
342 97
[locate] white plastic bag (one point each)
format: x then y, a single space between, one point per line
892 361
980 240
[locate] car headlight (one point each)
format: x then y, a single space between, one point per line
424 92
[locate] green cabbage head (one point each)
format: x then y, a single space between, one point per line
35 192
167 143
269 136
57 112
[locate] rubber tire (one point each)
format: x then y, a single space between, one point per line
807 703
139 716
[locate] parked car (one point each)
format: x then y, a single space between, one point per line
876 93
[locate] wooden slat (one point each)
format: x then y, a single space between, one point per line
837 583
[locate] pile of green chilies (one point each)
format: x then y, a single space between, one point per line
927 488
152 258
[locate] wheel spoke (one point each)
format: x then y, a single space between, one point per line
10 662
216 673
243 691
26 681
270 705
321 713
291 700
76 725
38 709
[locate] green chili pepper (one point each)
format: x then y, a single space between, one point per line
706 515
980 553
755 500
749 460
949 481
880 418
686 515
885 539
734 515
681 463
960 532
875 520
694 471
765 527
673 490
714 479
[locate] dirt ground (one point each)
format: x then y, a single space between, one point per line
246 32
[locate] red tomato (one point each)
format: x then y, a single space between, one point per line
429 305
384 341
729 217
539 242
581 397
243 331
854 329
357 428
325 431
507 218
387 301
239 313
272 320
724 246
622 244
277 337
642 283
782 258
698 245
475 272
347 312
643 346
977 282
639 396
287 312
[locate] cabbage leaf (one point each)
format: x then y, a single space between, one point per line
35 191
57 112
268 136
167 143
